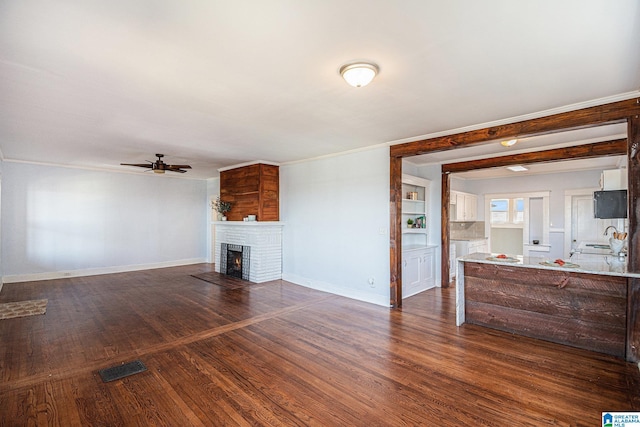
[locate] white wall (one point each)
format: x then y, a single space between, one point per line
60 221
336 232
1 270
213 191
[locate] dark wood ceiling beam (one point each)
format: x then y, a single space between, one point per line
599 149
616 112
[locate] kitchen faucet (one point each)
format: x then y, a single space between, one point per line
606 230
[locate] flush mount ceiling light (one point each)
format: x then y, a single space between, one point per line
359 74
509 143
517 168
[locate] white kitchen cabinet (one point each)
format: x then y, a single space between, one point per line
464 206
452 261
418 270
467 247
615 179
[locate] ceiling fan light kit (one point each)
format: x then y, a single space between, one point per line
359 74
159 166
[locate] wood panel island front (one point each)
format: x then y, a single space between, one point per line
586 303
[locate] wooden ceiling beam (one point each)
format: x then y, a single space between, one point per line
617 147
616 112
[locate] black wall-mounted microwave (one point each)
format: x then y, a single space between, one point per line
610 204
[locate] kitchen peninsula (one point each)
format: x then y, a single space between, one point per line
583 304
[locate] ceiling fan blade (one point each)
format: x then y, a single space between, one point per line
179 166
140 165
173 169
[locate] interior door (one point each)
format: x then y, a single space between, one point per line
584 227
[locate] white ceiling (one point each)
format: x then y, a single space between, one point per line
213 83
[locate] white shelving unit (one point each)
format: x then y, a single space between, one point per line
418 257
415 209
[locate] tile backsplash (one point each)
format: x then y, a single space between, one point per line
466 230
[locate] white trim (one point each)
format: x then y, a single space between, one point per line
382 300
338 154
526 195
96 271
100 169
254 162
530 116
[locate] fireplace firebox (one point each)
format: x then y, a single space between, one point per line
235 260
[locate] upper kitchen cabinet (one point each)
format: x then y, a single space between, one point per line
415 200
615 179
464 206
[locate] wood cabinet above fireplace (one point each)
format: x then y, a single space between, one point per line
252 190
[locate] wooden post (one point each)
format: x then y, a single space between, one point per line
633 196
395 232
444 220
633 244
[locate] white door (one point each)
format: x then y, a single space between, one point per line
584 227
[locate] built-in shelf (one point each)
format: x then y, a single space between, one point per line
415 193
415 231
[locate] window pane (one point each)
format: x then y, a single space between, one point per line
499 217
518 214
499 205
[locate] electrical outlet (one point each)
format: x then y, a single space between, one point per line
372 282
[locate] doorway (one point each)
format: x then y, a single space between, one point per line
580 222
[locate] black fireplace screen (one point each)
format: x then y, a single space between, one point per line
234 260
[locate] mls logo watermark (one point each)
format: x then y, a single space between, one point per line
621 419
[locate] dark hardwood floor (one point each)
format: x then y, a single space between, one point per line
283 355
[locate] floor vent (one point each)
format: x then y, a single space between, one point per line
121 371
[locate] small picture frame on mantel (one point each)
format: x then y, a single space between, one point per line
420 222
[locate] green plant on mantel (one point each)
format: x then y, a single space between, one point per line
409 223
221 206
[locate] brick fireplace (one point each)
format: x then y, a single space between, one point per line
261 241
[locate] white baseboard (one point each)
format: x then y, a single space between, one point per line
96 271
382 300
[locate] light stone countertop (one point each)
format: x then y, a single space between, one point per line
594 264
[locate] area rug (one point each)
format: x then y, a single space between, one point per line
9 310
223 281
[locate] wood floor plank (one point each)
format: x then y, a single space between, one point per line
278 354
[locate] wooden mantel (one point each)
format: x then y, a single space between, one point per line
617 112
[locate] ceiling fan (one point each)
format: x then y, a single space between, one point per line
159 166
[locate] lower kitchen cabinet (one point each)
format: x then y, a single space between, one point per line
467 247
418 270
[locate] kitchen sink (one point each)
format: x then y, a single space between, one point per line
597 246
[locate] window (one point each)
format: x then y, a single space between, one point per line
499 211
507 211
518 211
